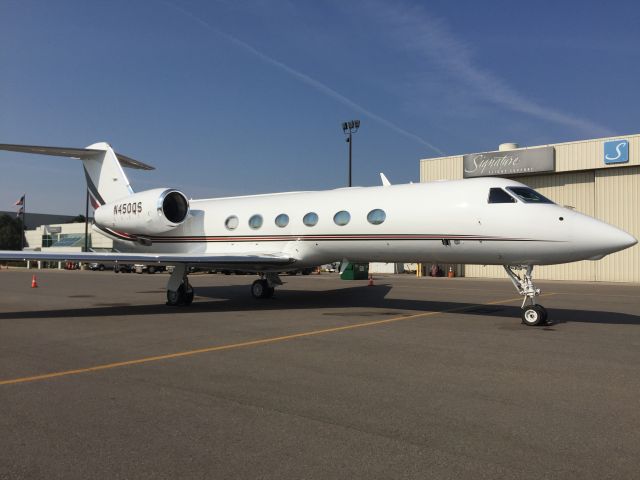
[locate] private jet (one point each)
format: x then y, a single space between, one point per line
488 221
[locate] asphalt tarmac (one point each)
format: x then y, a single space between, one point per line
410 378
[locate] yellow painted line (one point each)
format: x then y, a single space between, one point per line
250 343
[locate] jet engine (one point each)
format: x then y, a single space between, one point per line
145 213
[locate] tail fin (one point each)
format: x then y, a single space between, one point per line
106 180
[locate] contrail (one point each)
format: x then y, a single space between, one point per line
304 78
414 29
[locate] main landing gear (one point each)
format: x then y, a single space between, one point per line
264 287
521 277
181 293
179 290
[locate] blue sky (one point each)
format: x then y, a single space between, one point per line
240 97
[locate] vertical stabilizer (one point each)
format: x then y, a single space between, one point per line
106 180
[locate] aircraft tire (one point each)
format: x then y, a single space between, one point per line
532 315
188 296
260 289
545 315
178 297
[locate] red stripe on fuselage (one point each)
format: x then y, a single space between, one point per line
284 238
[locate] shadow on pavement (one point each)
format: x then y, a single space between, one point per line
237 299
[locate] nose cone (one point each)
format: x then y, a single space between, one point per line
621 239
595 239
612 239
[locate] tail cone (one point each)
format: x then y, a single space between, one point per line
34 282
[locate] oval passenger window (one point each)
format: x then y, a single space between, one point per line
231 223
255 222
376 217
282 220
310 219
342 218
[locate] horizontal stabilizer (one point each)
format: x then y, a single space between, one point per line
81 153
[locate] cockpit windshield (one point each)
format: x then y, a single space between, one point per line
528 195
498 195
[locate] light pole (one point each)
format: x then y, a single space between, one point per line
349 128
86 223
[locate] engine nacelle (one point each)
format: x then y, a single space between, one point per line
145 213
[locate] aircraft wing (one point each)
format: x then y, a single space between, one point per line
249 261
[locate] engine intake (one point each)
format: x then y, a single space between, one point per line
174 205
145 213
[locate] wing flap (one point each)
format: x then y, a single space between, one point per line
249 260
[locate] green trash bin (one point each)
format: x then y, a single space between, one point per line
355 271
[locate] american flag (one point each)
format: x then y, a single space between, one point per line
21 201
20 212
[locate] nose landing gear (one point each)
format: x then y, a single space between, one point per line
522 278
533 315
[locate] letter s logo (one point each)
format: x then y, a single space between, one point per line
618 151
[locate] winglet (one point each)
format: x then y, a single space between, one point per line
385 180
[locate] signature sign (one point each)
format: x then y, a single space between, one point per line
514 162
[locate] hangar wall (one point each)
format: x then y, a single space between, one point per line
583 181
618 203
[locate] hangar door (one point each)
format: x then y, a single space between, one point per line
618 203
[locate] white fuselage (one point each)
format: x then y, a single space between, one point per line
447 221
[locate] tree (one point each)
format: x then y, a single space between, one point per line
10 233
78 219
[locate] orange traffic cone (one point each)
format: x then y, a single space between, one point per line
34 282
370 284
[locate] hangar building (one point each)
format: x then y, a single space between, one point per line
599 177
